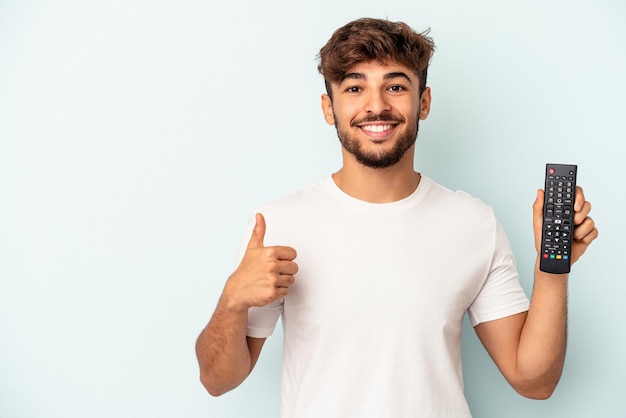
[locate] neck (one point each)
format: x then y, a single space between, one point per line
377 185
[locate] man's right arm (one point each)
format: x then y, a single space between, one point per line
225 354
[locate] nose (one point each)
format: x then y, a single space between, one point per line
376 102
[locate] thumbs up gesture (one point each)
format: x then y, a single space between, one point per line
264 274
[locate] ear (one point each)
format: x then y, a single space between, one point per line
425 101
327 109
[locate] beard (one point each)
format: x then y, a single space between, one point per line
383 158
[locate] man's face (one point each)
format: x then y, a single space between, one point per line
376 110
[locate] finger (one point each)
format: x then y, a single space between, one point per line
585 229
281 292
281 252
258 233
287 267
285 281
587 239
538 217
582 214
579 200
583 236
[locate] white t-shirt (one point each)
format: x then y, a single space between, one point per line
372 325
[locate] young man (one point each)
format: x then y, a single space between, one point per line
388 262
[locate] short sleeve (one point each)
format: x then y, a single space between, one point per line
262 321
501 295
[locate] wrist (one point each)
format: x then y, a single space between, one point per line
541 276
229 302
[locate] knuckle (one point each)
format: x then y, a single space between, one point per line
269 295
271 266
269 280
269 252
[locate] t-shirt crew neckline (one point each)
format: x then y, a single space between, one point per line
390 207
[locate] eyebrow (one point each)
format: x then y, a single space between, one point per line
388 76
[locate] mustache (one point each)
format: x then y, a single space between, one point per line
383 117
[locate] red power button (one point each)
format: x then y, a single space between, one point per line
551 171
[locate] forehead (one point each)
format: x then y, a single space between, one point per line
374 70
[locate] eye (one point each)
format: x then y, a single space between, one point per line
396 88
353 89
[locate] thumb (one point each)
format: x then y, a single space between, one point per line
538 218
258 233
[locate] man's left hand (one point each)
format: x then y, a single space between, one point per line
585 230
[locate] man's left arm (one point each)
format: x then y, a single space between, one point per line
529 348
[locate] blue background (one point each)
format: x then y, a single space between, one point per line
137 137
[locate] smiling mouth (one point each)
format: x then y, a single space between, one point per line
377 128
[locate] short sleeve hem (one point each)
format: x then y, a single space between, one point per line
259 332
478 318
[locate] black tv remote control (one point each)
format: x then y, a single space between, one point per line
558 218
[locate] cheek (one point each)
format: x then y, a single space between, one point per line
415 111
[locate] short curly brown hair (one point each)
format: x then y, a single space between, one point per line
368 39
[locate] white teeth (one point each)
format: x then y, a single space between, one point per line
376 128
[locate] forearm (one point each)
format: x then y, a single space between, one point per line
543 340
225 354
529 347
222 349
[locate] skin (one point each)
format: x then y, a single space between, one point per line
528 348
374 90
225 354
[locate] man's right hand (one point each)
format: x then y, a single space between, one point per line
264 274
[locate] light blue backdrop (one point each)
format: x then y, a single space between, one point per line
137 136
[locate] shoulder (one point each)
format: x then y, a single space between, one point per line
313 194
455 202
301 206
